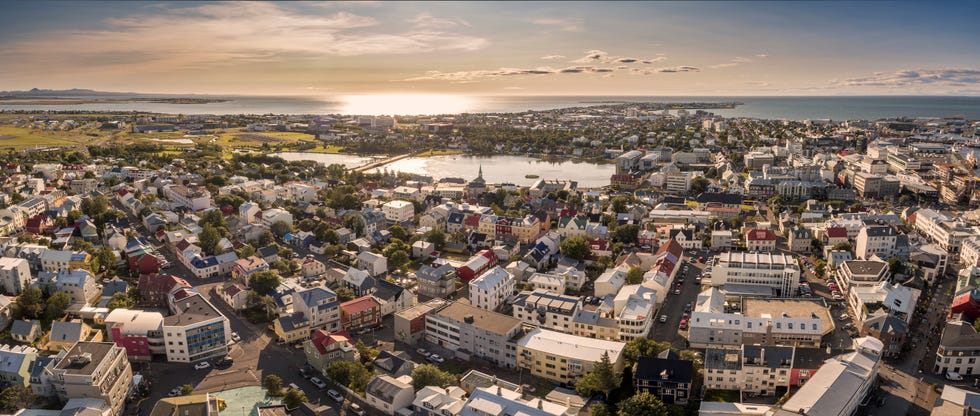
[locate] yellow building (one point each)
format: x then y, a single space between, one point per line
292 328
563 358
80 260
193 405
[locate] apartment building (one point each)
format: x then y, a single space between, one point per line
14 274
97 370
970 252
776 271
319 306
563 358
398 211
196 198
436 282
841 384
882 241
959 348
854 273
325 347
800 322
474 332
948 233
139 332
492 288
547 309
197 331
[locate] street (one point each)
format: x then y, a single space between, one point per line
673 305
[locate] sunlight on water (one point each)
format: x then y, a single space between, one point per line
405 104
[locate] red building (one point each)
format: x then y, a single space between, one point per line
359 313
155 288
476 265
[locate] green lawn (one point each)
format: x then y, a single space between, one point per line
724 396
20 137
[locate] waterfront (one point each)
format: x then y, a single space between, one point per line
505 169
348 160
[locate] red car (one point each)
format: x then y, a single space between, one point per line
683 324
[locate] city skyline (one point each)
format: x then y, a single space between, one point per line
623 48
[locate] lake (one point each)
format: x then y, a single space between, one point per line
350 161
501 169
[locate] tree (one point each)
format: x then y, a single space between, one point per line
576 247
350 374
119 300
398 232
430 375
842 246
56 305
344 294
643 347
209 239
600 409
29 304
644 404
437 237
634 276
107 259
265 238
602 379
627 234
699 185
186 389
263 282
293 398
895 266
368 354
272 385
280 228
397 259
16 397
819 268
214 218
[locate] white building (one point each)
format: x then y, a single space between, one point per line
856 273
493 401
274 215
14 274
761 321
492 288
547 281
389 394
840 385
398 211
196 332
945 231
777 271
876 240
195 199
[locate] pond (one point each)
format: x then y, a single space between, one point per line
350 161
503 169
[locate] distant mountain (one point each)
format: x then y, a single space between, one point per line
74 92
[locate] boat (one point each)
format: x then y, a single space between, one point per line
529 176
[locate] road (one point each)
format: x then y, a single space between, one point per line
673 305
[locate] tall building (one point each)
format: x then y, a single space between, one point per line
197 331
97 370
776 271
472 331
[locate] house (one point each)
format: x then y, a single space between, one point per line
476 265
244 268
800 240
437 401
389 394
319 305
498 400
325 347
15 364
721 240
235 295
65 334
882 241
14 274
665 376
393 298
361 312
685 237
436 282
79 284
156 288
359 281
25 331
395 364
423 249
834 236
760 240
375 264
268 253
312 268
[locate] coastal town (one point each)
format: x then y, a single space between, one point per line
168 265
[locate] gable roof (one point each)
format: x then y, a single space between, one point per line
653 368
760 235
837 232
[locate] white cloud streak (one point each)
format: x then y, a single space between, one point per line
941 77
564 25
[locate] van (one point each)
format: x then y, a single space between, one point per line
294 386
953 376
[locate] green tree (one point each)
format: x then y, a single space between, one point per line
842 246
265 238
213 218
619 203
895 266
263 282
16 397
272 385
55 306
437 237
397 259
398 232
209 238
119 300
293 398
344 294
627 234
699 185
30 303
186 389
819 268
368 354
576 247
107 259
430 375
643 347
644 404
602 379
350 374
599 409
634 276
281 228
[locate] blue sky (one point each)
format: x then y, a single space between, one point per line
602 48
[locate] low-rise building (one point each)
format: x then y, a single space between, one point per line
492 288
409 324
759 240
484 401
474 332
800 322
563 358
389 394
360 313
841 384
197 331
776 271
667 377
15 364
325 347
437 282
88 370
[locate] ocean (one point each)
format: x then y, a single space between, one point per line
792 108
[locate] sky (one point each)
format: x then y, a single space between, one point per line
488 48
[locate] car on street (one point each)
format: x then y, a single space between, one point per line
305 373
224 363
683 324
527 388
677 291
423 352
435 358
663 318
355 409
334 395
295 387
174 392
235 337
319 383
953 376
203 365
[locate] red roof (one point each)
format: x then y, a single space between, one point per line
323 339
472 220
359 305
672 247
761 235
160 282
837 232
234 290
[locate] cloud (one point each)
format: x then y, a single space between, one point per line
626 60
202 37
683 68
741 60
552 57
564 25
725 65
594 55
761 56
938 77
656 59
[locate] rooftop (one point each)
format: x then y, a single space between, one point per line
491 321
571 346
795 308
192 310
84 357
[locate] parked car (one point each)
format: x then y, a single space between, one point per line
174 392
294 387
683 324
305 373
224 363
663 318
953 376
435 358
335 395
355 409
423 352
235 337
677 291
318 383
203 365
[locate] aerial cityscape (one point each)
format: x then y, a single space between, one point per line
489 208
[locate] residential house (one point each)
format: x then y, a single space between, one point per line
685 237
721 240
243 268
393 298
395 364
436 282
318 305
389 394
15 364
325 347
359 281
235 295
665 376
359 313
492 288
373 263
25 331
759 240
800 240
437 401
65 334
156 288
80 284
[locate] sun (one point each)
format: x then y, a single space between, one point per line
405 104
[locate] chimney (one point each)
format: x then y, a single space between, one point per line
540 404
498 391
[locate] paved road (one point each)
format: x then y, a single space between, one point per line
673 305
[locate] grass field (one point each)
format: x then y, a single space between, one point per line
441 152
20 137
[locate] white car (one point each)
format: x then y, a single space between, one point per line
663 318
336 396
953 376
423 352
435 358
174 392
318 383
356 409
235 337
203 365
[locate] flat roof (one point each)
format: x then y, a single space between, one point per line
795 308
835 385
497 323
84 357
571 346
192 310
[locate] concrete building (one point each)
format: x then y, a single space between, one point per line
856 273
948 233
398 211
563 358
139 332
389 394
776 271
197 331
15 364
474 332
800 322
325 347
760 240
14 274
88 370
194 198
486 401
879 240
840 385
409 324
958 349
547 309
437 282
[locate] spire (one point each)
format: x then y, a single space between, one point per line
480 173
